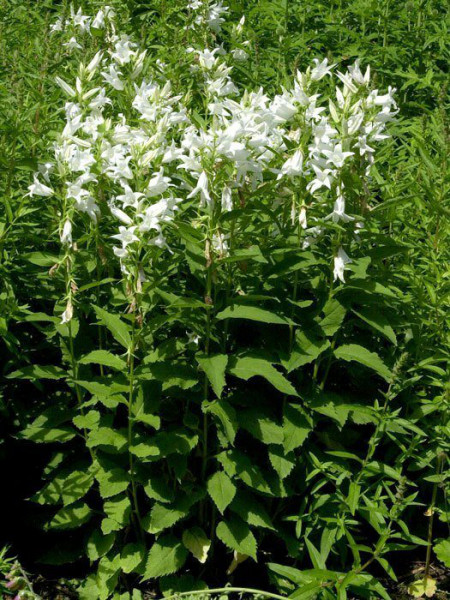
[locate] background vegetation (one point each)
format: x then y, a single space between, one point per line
388 504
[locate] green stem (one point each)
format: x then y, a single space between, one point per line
439 465
131 352
227 590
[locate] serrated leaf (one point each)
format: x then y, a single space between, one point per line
226 416
71 517
116 326
166 556
246 367
297 426
197 543
99 544
252 313
251 510
353 352
221 489
282 462
236 534
334 314
442 551
423 587
131 557
105 358
38 372
214 366
376 319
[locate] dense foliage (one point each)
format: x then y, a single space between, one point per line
224 264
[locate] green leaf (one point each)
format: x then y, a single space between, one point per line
116 326
99 544
353 496
283 462
118 511
376 319
246 367
38 372
112 481
262 428
250 510
214 366
307 348
334 313
166 556
236 534
170 374
71 517
163 516
252 313
106 436
297 425
226 416
105 358
131 557
353 352
221 489
197 543
442 551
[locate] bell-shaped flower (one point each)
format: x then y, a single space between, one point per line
39 189
66 233
340 260
202 188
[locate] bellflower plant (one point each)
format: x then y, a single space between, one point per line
209 240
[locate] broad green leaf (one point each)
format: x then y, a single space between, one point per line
214 366
221 489
117 511
252 313
297 425
163 516
307 348
236 463
262 428
116 326
334 313
236 535
71 517
105 358
158 488
99 544
89 420
166 556
442 551
197 543
107 436
112 481
423 587
246 367
377 320
251 510
170 374
38 372
283 462
226 415
131 557
353 352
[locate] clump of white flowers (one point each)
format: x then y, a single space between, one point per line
141 165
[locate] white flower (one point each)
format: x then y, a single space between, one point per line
321 69
66 234
293 166
338 213
120 214
65 87
302 218
39 189
158 184
202 189
67 314
72 44
126 235
227 200
112 77
336 156
339 265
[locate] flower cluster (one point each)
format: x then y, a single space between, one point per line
137 166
